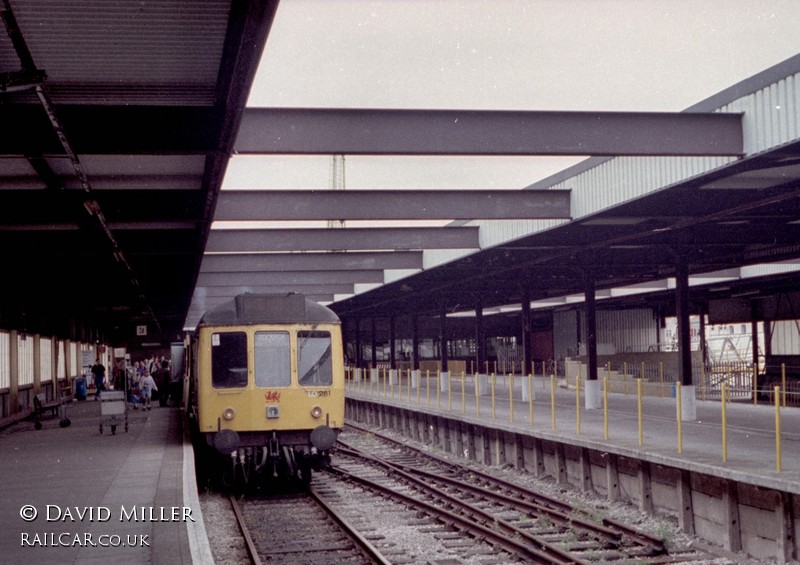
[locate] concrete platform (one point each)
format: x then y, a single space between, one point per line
72 495
730 493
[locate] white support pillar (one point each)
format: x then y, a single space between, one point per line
688 404
593 397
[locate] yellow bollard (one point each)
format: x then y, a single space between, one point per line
438 388
544 368
778 455
409 385
449 392
427 387
605 407
477 397
724 427
755 384
463 395
680 421
578 405
511 398
553 399
419 386
494 406
703 379
639 408
783 384
530 397
641 372
625 377
661 377
384 382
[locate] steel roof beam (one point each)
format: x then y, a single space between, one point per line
479 132
312 261
304 289
392 204
289 278
335 239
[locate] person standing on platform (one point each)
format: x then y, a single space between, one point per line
99 372
147 385
162 378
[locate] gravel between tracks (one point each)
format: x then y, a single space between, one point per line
228 549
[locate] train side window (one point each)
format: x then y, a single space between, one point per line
273 359
229 360
314 358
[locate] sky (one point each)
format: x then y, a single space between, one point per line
631 55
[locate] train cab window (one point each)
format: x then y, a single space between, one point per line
314 358
229 360
273 359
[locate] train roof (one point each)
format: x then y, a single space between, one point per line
269 309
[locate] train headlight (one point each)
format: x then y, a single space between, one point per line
316 412
228 414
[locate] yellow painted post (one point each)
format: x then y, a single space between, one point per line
724 427
511 398
641 372
544 368
778 455
755 384
419 386
427 387
388 376
605 407
639 408
384 382
472 366
463 395
553 399
703 379
680 421
438 388
783 384
494 406
409 385
477 397
661 377
578 405
495 367
449 392
530 397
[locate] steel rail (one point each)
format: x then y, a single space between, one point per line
248 540
373 552
633 533
539 550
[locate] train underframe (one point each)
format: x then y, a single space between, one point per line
253 459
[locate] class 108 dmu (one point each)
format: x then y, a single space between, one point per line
266 387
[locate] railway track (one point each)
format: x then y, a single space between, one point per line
298 529
525 524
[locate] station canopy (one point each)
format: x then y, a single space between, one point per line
158 159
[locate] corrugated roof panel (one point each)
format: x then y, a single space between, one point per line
126 51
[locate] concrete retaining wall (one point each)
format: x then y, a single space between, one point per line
737 515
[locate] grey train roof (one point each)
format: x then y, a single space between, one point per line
269 309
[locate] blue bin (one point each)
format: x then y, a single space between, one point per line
80 388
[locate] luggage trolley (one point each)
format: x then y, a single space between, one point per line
113 410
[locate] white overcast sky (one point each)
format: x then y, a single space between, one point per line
633 55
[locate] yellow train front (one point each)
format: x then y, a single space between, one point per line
268 386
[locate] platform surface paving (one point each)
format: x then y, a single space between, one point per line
74 495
